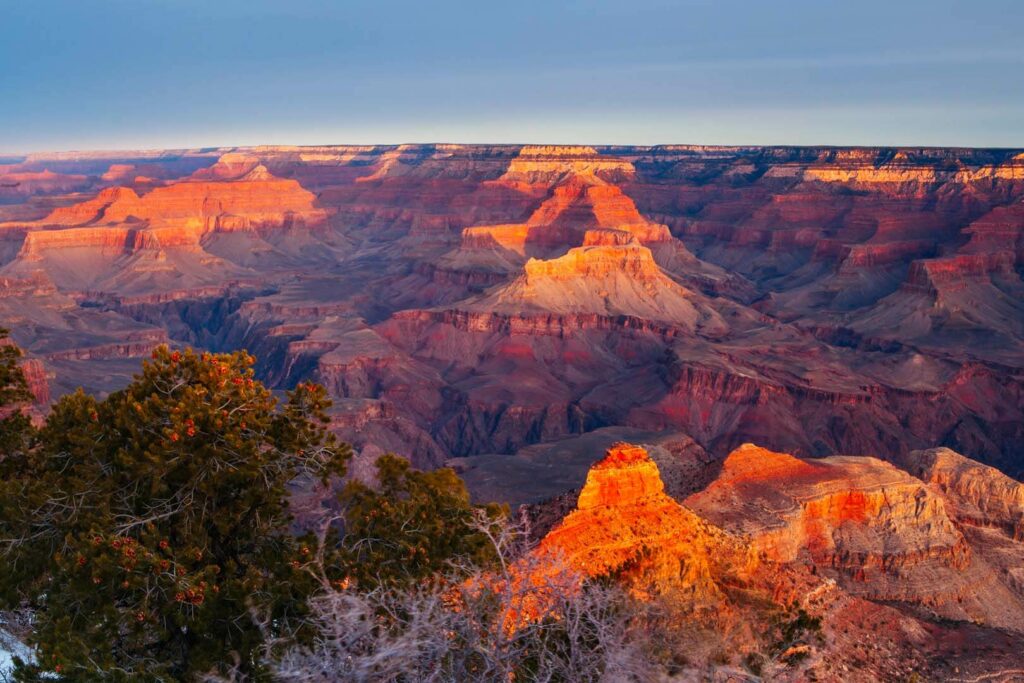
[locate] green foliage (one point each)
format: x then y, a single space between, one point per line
15 426
146 528
410 527
801 624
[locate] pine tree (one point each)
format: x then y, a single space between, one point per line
146 529
409 527
15 426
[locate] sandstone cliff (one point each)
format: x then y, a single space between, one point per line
625 523
880 532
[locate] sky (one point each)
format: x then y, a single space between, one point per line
119 74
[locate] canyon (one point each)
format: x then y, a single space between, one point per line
469 302
513 312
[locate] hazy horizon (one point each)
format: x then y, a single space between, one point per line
4 154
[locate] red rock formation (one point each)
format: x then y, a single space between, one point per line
981 495
1000 230
123 242
254 200
576 204
35 375
882 533
548 164
941 275
711 582
624 523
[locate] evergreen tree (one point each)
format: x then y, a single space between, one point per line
409 527
147 528
15 426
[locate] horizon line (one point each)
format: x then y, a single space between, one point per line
4 154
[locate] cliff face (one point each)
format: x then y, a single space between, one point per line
35 375
624 523
255 199
882 533
982 496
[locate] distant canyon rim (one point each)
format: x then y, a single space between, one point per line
512 310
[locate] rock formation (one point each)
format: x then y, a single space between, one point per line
789 522
880 532
982 496
625 524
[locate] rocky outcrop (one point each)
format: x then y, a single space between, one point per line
1000 230
726 587
880 532
94 210
941 275
815 500
606 280
35 376
576 204
549 163
109 240
255 200
626 526
580 206
184 235
981 495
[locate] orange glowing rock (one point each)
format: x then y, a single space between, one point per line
624 476
880 532
545 164
94 210
257 199
605 280
625 525
607 238
576 205
598 262
790 507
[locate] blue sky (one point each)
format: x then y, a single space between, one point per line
92 74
